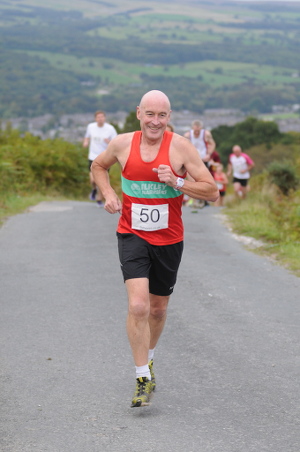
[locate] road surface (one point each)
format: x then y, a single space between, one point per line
227 365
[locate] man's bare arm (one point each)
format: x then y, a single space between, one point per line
203 186
250 166
229 169
210 142
186 157
100 167
86 142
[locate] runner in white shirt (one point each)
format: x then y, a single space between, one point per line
204 143
98 135
202 140
240 165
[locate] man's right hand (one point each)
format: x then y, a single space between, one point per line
113 205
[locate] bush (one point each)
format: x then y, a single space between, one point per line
283 174
29 164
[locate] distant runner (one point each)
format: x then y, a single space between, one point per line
98 135
240 164
204 143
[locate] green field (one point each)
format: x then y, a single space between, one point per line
216 73
238 55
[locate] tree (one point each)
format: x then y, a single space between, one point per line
283 174
131 123
247 133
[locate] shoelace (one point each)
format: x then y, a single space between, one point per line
141 387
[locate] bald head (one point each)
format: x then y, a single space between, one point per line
154 114
237 150
197 124
157 97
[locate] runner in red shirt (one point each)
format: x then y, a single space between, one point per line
150 231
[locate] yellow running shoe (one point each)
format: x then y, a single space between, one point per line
150 365
143 392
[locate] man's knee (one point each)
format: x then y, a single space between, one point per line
158 307
158 313
138 309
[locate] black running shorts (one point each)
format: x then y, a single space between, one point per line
140 259
243 182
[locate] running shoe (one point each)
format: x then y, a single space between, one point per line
150 365
100 204
93 194
143 392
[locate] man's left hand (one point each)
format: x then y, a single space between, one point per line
166 175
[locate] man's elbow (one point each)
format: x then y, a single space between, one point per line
97 167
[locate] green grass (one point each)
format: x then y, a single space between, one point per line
252 221
276 116
13 204
201 25
180 35
116 72
163 23
272 219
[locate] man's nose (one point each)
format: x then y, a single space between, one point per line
155 120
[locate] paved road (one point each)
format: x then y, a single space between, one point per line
227 365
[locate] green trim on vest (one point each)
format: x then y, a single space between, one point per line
148 189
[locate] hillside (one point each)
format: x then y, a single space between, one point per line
77 56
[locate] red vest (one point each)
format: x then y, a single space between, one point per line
151 209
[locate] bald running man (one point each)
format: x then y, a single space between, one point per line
240 165
150 232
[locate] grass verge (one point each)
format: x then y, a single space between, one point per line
274 222
14 204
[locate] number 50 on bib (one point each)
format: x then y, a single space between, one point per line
150 217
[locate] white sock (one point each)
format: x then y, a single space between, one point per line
151 354
142 371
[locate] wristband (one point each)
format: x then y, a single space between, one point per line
179 183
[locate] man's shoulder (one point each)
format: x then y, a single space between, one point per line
180 142
247 158
207 133
124 138
107 125
177 137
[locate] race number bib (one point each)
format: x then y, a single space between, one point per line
149 218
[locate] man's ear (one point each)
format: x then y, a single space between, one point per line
138 112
